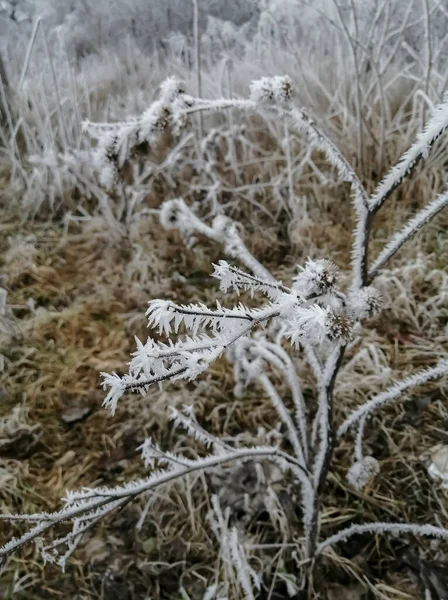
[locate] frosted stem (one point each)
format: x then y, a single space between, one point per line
408 231
394 393
400 528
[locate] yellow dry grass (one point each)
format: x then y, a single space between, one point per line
88 298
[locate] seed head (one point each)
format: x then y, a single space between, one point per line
318 277
365 303
339 326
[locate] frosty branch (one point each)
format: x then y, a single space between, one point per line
313 316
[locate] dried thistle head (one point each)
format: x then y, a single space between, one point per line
365 303
269 91
339 326
171 214
285 89
317 277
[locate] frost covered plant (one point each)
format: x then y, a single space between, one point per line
115 142
361 472
315 315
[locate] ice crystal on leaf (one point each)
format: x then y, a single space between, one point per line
272 91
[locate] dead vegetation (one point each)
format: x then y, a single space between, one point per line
76 298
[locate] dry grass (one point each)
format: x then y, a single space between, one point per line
89 298
89 291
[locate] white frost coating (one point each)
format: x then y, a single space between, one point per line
93 503
168 316
171 89
246 575
362 471
397 528
274 354
115 141
359 248
313 314
272 91
187 421
232 278
175 214
410 229
321 423
317 277
436 126
320 141
285 417
364 302
440 370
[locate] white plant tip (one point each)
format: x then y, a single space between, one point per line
317 277
223 225
270 91
362 471
365 302
116 391
171 89
172 214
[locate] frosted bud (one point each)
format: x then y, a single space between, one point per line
180 121
362 471
163 118
284 89
365 303
318 277
171 213
339 326
222 224
171 88
269 91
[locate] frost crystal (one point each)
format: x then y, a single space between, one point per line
362 471
339 326
365 303
171 89
318 277
315 323
272 91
